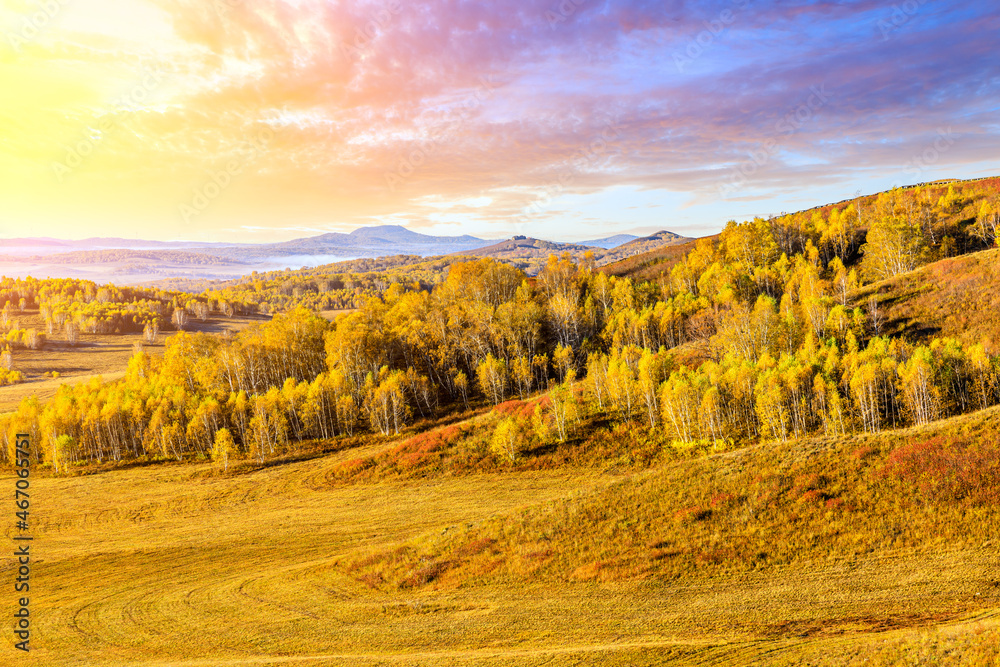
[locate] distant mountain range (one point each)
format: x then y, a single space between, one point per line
363 242
135 260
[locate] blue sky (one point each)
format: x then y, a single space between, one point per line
562 119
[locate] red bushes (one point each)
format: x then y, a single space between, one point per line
948 469
475 547
521 409
355 466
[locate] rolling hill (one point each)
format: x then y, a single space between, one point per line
139 261
653 243
813 552
525 248
531 253
612 541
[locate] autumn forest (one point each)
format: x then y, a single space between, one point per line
775 329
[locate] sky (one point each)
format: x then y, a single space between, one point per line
267 120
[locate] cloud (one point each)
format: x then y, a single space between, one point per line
379 105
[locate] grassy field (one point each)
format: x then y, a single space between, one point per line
106 355
180 565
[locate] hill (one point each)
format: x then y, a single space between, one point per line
819 552
192 264
529 253
948 212
523 247
736 462
651 264
958 297
653 243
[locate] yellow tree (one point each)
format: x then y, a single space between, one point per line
916 377
492 376
893 244
223 448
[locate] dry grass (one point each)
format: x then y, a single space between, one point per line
957 297
177 565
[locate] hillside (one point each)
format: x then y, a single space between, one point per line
783 553
655 245
524 248
957 297
529 253
952 226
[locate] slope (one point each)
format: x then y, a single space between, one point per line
530 568
957 297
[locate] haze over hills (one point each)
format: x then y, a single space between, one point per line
134 261
362 242
45 246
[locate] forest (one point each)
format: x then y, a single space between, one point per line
758 334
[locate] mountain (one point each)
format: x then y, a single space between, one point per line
378 241
402 235
610 242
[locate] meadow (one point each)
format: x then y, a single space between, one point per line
182 565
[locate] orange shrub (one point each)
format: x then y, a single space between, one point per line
948 468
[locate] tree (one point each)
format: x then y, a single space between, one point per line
916 377
492 376
63 451
179 318
223 448
651 371
72 332
150 330
507 439
875 316
988 222
523 376
461 382
893 244
681 401
557 412
563 360
386 402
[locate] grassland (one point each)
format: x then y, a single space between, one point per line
181 565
